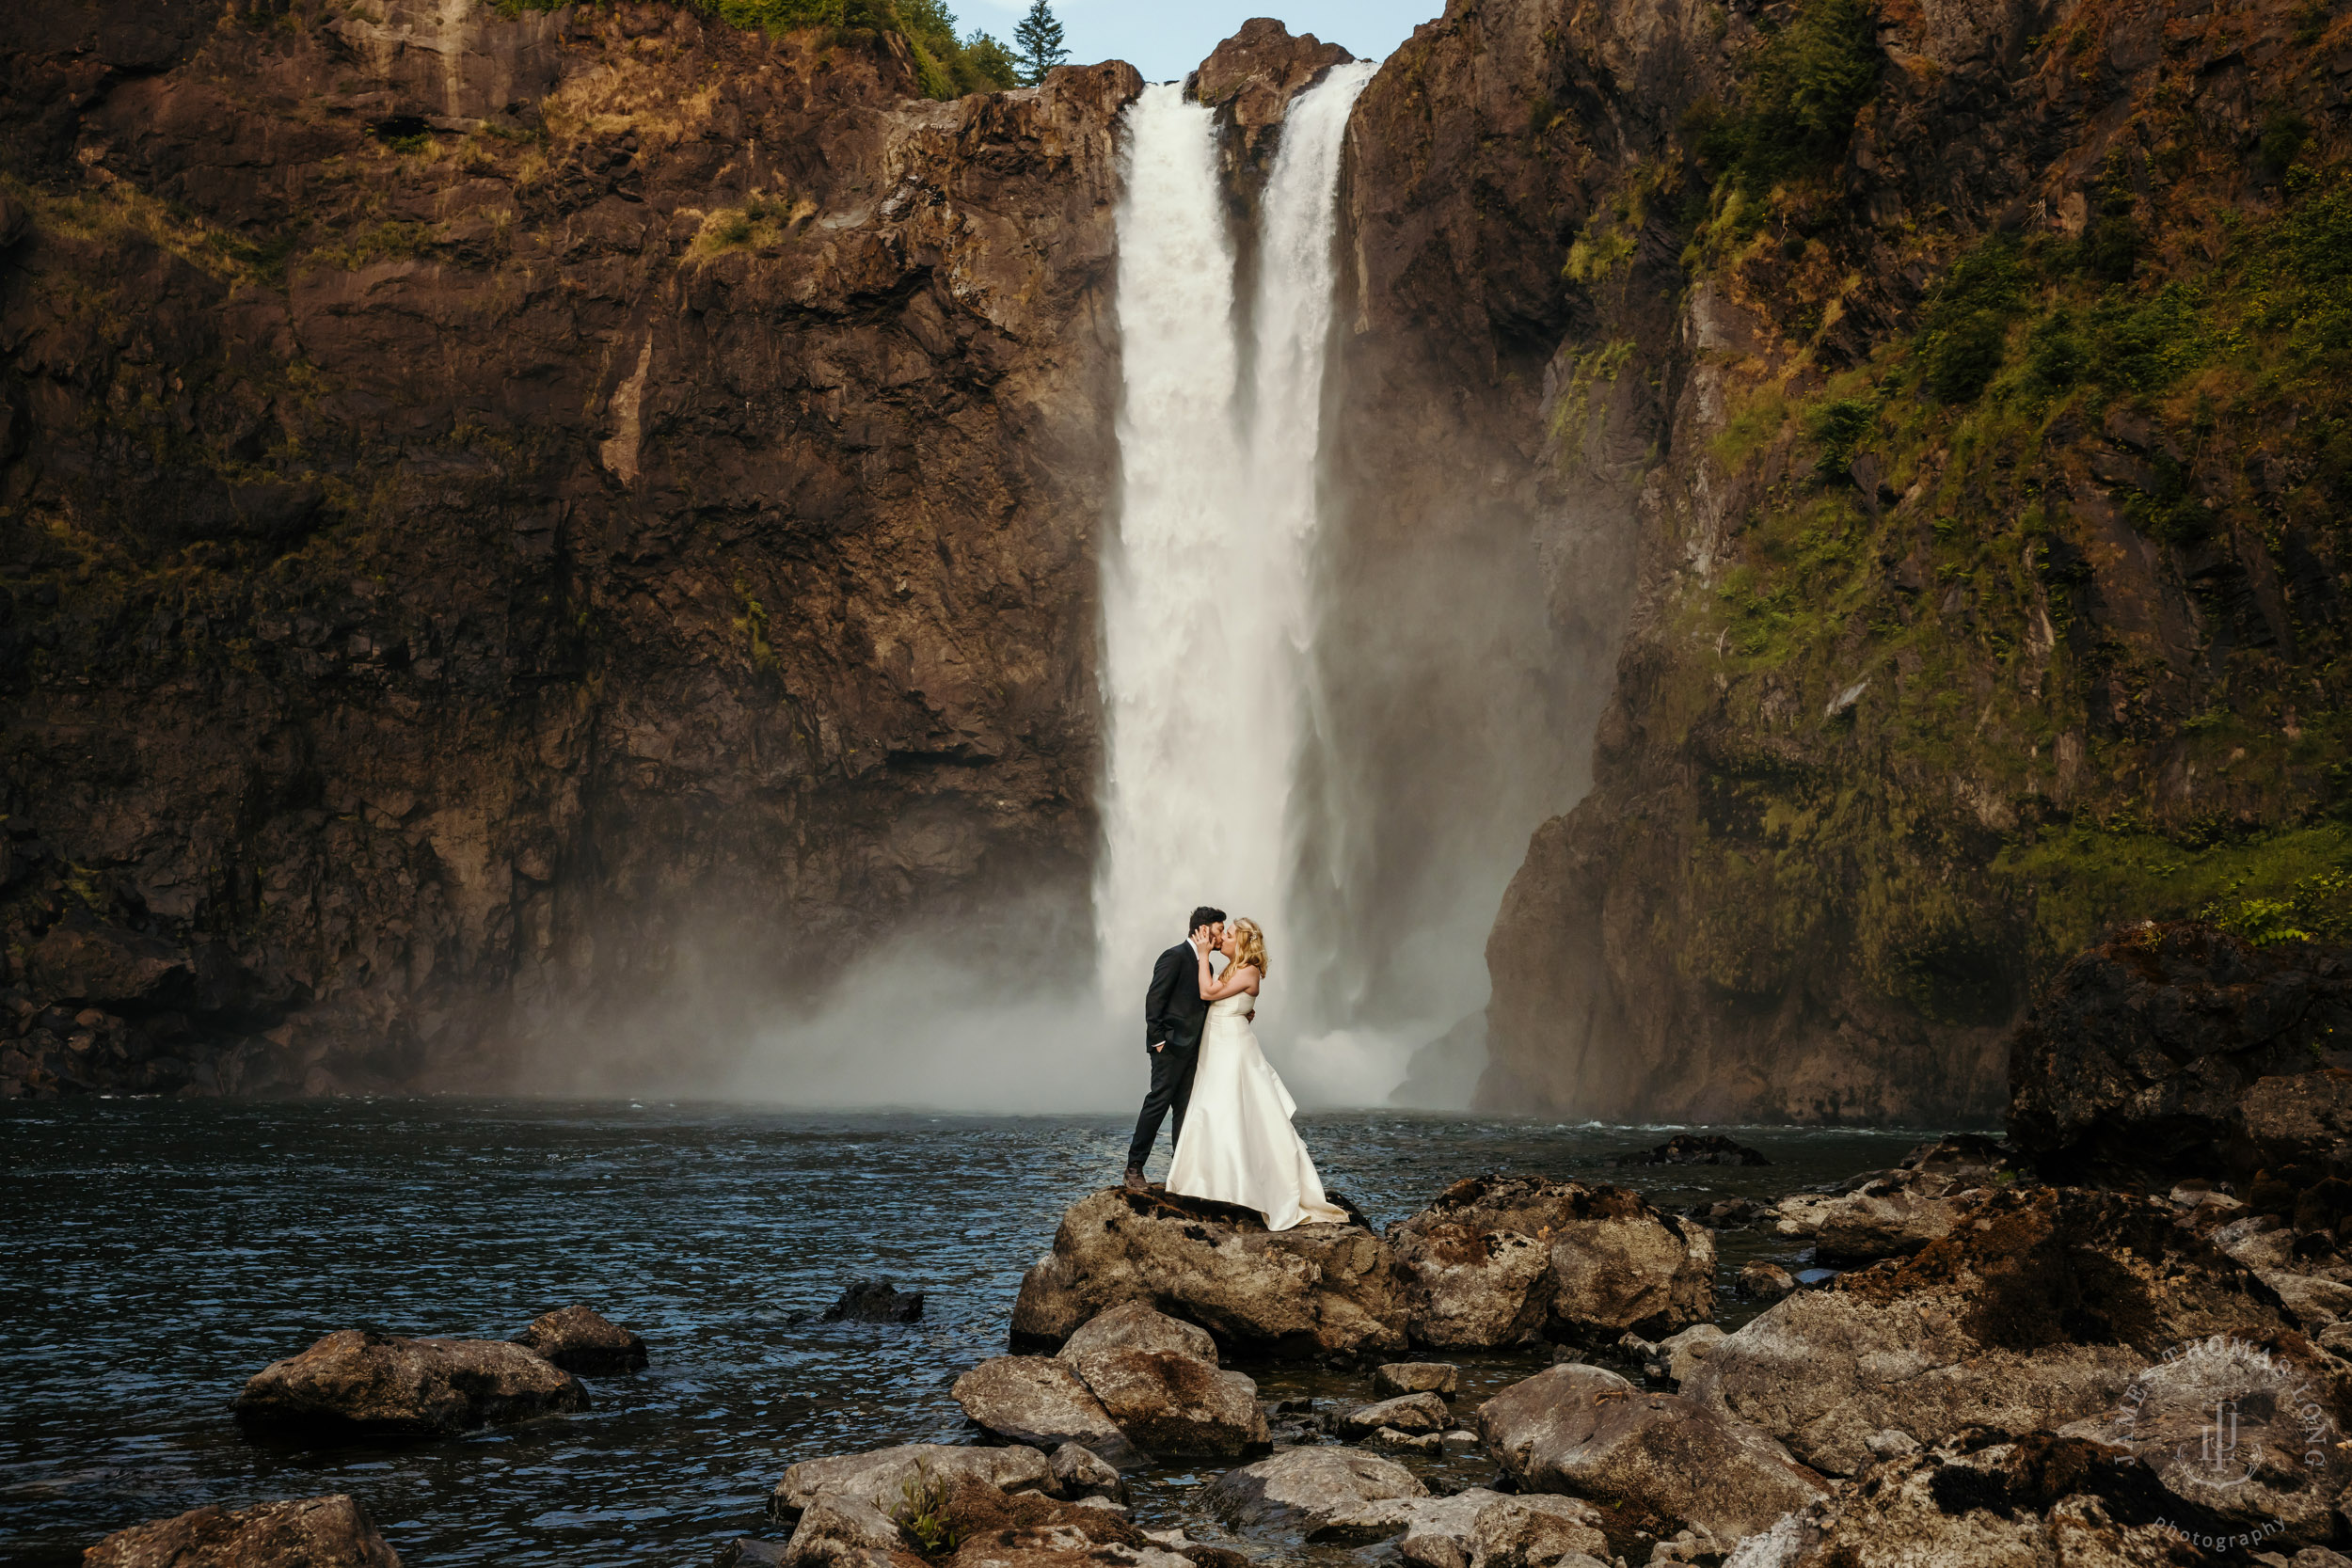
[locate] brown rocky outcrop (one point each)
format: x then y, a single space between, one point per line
1845 819
2172 1052
311 1532
356 1382
1502 1261
2039 1307
1250 79
1312 1289
494 506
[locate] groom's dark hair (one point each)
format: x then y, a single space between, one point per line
1204 916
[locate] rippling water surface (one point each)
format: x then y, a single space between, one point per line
159 1252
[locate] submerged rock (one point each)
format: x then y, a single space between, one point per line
1043 1402
1502 1260
1317 1289
579 1340
2039 1308
1693 1148
308 1532
1665 1460
2178 1051
875 1301
358 1381
1324 1492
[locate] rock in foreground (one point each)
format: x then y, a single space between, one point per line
579 1340
1988 1500
879 1479
2177 1051
308 1532
360 1382
1043 1402
1323 1493
1479 1528
1660 1458
2039 1308
1502 1260
1314 1290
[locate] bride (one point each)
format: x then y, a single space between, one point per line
1237 1144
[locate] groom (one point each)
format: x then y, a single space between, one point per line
1173 1015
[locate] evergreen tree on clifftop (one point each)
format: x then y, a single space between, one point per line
1037 42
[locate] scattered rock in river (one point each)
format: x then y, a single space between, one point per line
1324 1493
579 1340
1406 1412
1479 1528
746 1551
1895 1213
1174 1405
1661 1459
879 1478
1417 1377
308 1532
1679 1355
2174 1051
2039 1308
1312 1289
1043 1402
1134 1325
1693 1148
1761 1280
1500 1260
1080 1473
875 1301
356 1382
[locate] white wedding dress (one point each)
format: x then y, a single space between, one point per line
1238 1144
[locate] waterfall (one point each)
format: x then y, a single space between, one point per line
1206 599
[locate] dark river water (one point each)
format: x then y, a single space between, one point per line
157 1253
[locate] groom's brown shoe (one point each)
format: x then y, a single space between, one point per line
1134 1181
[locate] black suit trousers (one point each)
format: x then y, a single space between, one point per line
1171 1090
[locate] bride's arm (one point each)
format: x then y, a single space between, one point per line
1239 978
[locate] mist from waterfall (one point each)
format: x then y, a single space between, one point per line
1207 593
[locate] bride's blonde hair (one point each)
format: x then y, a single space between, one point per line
1249 946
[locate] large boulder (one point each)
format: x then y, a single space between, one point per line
1502 1260
1134 1325
1661 1459
1312 1289
579 1340
879 1478
1988 1499
1479 1528
356 1382
1043 1402
1322 1492
2174 1051
2039 1308
307 1532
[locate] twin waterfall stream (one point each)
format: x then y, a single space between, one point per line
1207 604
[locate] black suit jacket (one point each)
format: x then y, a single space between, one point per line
1172 1008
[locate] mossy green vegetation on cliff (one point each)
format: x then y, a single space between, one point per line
948 63
2030 620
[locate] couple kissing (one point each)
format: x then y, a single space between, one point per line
1234 1142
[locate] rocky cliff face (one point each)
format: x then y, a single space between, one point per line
1967 381
493 509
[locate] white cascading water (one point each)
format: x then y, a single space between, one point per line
1206 607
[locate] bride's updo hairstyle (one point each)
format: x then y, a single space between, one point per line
1249 946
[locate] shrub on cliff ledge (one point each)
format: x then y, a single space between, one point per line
1799 98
